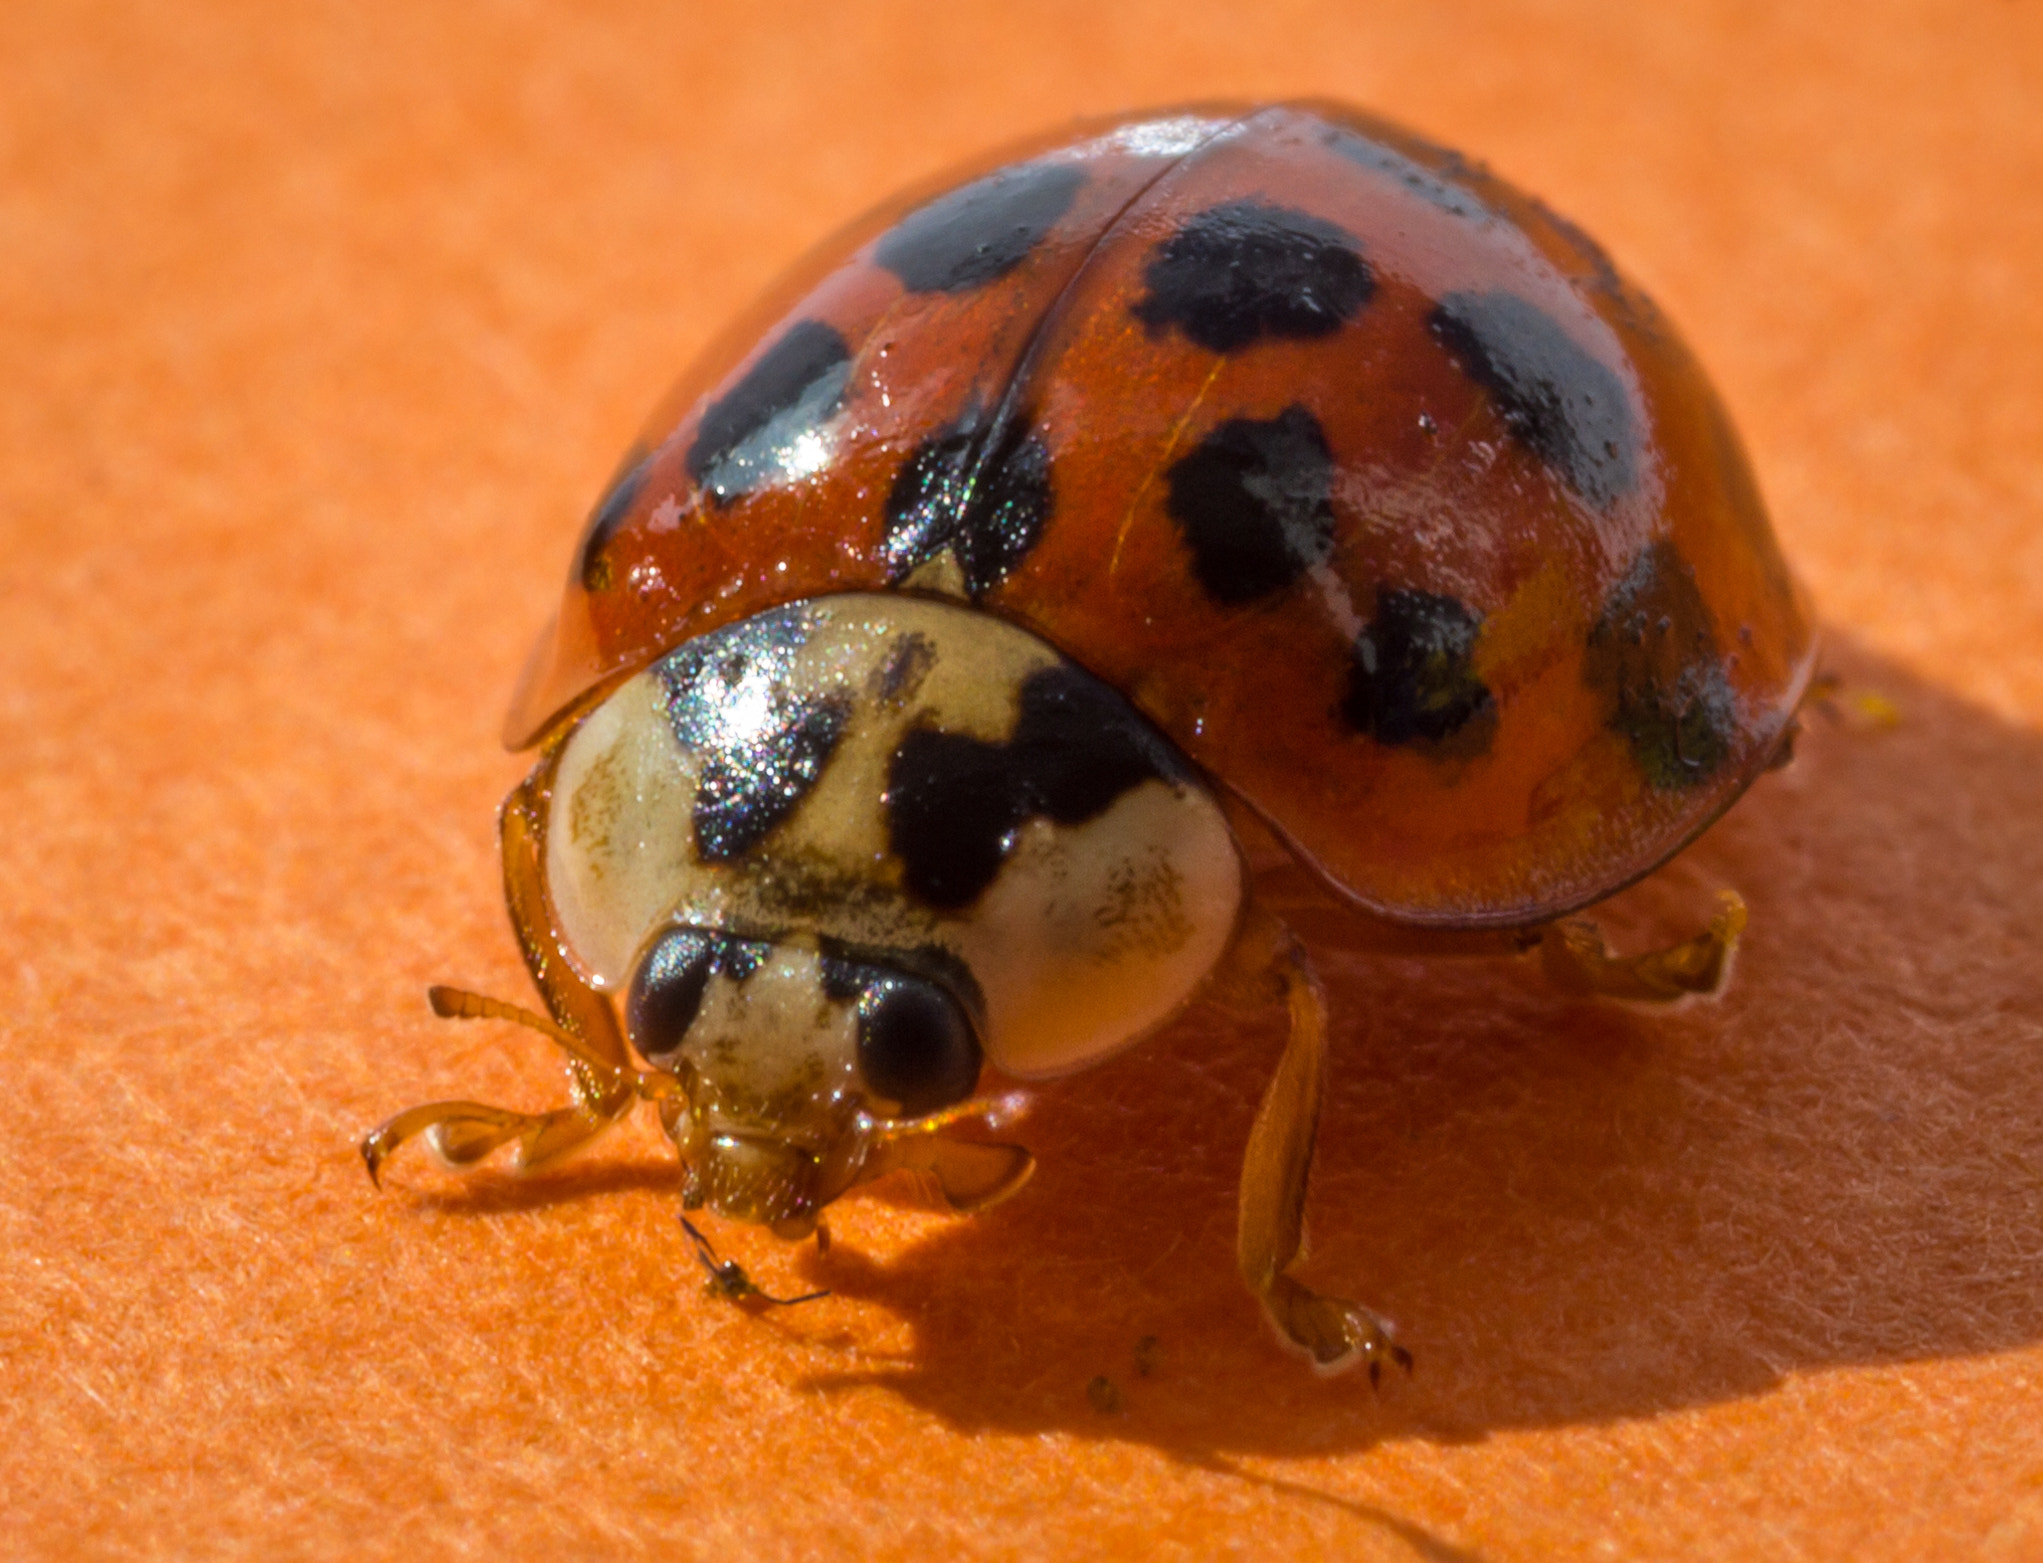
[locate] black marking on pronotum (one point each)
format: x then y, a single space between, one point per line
909 661
750 435
1428 185
717 683
754 781
1567 407
666 990
954 803
609 514
1412 678
1251 502
983 493
1238 273
760 748
981 232
1654 658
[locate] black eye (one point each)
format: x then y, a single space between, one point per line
915 1045
666 991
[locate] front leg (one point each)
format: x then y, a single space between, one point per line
1336 1333
603 1081
461 1134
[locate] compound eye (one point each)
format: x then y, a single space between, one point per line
666 991
915 1045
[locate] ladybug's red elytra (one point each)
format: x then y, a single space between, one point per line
1218 466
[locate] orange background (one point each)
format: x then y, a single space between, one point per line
324 323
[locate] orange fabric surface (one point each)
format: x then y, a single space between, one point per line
323 325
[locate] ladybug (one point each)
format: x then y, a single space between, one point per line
1226 469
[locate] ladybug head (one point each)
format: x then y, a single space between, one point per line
804 1072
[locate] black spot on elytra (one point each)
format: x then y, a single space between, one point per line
954 803
1237 273
980 232
1429 186
1252 504
984 494
609 514
1568 408
1412 678
748 436
1653 657
666 991
750 785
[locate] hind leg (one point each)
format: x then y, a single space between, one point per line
602 1078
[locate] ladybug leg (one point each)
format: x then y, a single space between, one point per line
460 1134
1335 1333
602 1079
1577 960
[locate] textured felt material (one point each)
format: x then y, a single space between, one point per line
323 324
